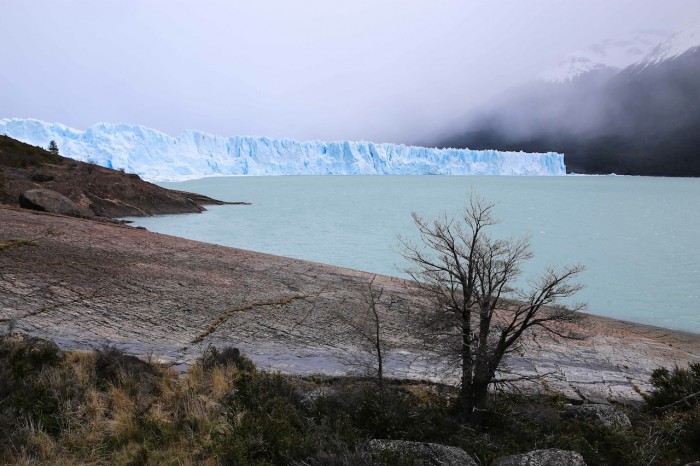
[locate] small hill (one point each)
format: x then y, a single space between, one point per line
97 191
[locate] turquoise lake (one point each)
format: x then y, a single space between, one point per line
639 237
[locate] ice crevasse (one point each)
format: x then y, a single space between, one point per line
156 156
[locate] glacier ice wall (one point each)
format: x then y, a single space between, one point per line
157 156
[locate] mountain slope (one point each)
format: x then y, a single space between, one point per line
609 55
643 120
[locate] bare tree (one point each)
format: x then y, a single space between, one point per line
478 314
361 333
368 329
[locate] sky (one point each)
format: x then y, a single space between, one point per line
376 70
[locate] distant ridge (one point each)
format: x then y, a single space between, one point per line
643 119
610 55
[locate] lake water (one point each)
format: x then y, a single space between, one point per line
639 237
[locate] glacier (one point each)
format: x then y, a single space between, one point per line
156 156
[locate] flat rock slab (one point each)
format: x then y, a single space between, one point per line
84 283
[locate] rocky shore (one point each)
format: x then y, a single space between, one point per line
38 179
85 283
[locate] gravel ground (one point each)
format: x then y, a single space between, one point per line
85 283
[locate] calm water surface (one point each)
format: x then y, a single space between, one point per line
639 237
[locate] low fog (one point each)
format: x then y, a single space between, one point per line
385 71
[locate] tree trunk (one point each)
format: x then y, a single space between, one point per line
380 364
466 400
466 393
480 393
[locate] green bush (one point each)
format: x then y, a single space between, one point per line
30 356
213 357
391 413
673 386
112 363
266 425
25 390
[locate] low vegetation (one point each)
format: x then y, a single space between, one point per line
14 243
679 388
16 154
105 407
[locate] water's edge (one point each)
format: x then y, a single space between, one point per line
634 235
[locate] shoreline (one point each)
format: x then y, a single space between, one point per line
634 269
85 283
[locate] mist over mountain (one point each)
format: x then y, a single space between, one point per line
641 118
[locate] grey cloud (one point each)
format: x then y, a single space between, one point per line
387 71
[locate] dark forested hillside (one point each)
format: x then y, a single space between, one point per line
645 120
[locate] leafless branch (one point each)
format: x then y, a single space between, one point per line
477 314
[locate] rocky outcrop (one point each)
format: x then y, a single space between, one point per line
314 395
425 454
47 200
94 191
550 457
600 414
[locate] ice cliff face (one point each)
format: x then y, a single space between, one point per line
156 156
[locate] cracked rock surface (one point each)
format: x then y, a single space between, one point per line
550 457
84 283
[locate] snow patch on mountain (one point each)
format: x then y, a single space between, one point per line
611 55
157 156
674 47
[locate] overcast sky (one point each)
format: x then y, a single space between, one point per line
379 70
